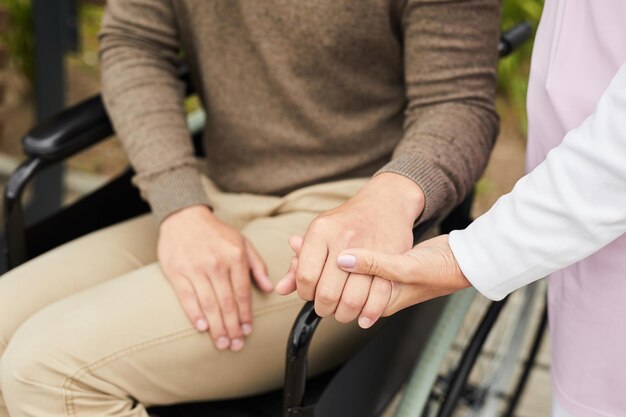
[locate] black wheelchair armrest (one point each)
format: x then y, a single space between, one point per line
63 135
76 128
68 132
56 139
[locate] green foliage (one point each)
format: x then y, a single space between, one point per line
513 70
90 16
20 42
19 38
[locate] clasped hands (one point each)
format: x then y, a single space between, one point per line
426 271
332 267
380 217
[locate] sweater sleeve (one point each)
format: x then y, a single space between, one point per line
567 208
450 53
139 52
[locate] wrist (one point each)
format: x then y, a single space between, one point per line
460 280
400 191
197 211
441 264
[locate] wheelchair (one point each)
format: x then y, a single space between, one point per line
408 359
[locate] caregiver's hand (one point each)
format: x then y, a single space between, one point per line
427 271
379 217
209 265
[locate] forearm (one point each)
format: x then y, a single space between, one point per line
451 123
570 206
144 98
444 152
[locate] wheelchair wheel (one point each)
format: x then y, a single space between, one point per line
492 377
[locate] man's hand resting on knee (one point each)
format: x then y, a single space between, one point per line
379 217
209 265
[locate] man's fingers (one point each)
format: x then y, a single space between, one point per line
377 301
188 298
287 285
296 242
208 305
329 288
240 279
363 261
311 263
258 268
353 298
221 283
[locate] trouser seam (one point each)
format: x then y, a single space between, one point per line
90 367
69 380
276 307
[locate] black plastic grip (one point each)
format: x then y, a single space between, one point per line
69 131
76 128
513 38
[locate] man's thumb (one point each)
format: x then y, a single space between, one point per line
363 261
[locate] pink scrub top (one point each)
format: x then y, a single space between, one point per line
579 47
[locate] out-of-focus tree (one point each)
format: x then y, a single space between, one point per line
18 39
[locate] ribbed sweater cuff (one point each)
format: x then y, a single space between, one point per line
174 190
431 180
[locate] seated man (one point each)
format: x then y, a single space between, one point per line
321 116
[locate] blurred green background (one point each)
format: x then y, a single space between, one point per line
83 77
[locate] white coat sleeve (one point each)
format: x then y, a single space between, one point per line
567 208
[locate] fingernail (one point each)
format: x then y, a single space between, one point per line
236 345
346 261
222 343
365 323
246 329
202 325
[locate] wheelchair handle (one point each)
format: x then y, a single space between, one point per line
296 361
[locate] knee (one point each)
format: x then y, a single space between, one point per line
27 371
19 300
17 368
10 312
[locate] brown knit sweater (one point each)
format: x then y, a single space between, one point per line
301 92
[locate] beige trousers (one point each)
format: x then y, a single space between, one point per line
93 328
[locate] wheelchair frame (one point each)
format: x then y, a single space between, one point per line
85 124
